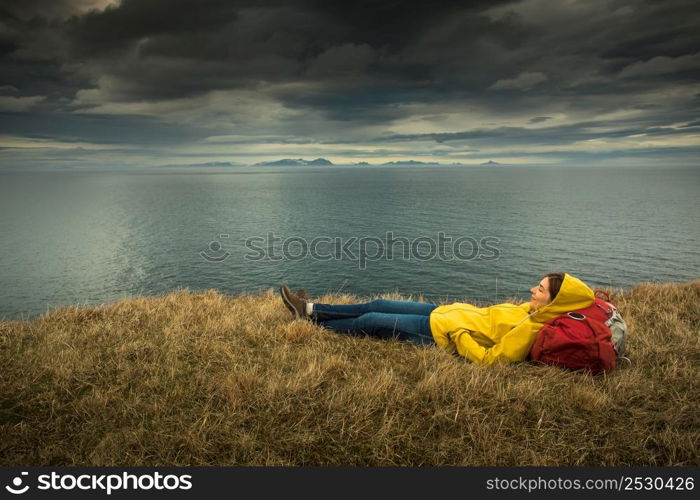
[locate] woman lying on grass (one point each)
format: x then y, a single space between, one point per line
484 335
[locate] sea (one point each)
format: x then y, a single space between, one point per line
90 236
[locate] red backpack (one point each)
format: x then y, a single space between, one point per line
582 339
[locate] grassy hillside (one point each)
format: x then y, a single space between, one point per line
208 379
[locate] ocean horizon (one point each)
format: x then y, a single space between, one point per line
438 232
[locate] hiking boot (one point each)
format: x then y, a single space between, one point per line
295 304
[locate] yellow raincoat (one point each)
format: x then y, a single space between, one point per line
505 332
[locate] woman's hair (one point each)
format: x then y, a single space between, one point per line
555 280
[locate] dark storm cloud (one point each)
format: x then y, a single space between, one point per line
162 48
657 29
362 63
28 10
69 127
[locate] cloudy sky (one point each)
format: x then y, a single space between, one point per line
148 82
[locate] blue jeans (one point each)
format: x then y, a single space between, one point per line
381 318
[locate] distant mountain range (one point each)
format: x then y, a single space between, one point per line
298 161
322 162
410 162
206 164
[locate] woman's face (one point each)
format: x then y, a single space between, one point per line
540 294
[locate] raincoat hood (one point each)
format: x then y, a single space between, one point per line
503 332
573 294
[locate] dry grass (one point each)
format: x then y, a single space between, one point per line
207 379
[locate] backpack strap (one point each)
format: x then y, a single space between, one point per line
605 306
